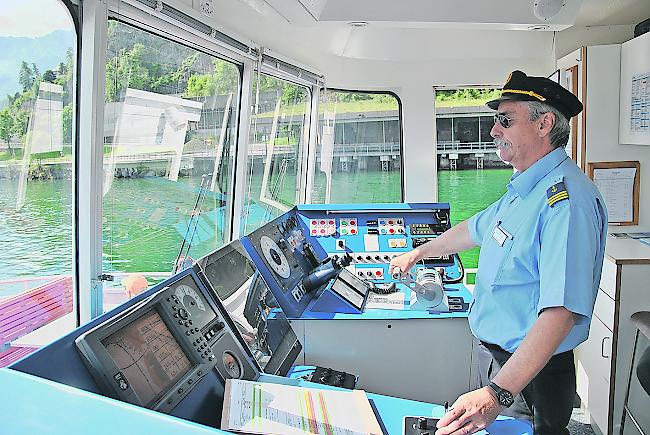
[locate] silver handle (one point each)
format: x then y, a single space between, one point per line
602 347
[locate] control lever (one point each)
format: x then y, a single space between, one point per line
326 271
427 284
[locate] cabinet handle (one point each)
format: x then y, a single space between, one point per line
602 347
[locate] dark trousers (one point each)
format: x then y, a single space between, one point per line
547 400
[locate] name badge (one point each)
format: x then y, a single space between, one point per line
500 235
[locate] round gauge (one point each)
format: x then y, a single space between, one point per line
189 297
275 257
232 365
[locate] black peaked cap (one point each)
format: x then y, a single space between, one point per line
520 87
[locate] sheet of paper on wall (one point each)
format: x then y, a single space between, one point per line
275 409
616 185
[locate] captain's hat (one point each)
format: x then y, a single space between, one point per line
520 87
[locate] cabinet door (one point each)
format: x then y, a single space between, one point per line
595 356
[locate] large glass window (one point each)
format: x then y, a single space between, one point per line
169 137
359 153
37 148
470 175
276 145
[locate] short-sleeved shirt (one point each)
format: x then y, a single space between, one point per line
540 248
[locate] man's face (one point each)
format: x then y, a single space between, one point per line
515 144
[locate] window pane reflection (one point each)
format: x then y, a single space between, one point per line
358 157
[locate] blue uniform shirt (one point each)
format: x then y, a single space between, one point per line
542 246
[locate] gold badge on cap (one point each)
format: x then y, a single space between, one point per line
509 77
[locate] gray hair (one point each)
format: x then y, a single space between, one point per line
559 135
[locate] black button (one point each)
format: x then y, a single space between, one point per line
190 381
180 391
199 373
187 333
190 321
174 307
211 358
170 400
180 322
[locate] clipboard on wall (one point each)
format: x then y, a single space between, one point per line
619 184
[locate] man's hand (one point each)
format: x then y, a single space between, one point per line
470 413
404 262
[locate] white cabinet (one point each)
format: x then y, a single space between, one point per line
603 361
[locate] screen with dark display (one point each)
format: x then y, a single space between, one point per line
148 356
228 273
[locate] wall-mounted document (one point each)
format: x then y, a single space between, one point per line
275 409
616 185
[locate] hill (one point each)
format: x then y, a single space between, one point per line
46 52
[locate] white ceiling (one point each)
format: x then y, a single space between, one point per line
409 30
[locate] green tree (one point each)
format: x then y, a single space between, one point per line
66 121
48 76
25 76
6 125
21 122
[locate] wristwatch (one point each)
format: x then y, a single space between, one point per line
504 396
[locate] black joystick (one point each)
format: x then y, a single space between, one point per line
326 271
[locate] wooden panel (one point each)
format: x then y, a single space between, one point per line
609 278
604 309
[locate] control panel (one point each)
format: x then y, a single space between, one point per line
373 234
292 252
155 353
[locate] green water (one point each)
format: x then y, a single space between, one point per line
145 219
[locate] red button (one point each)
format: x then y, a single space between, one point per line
322 222
314 231
390 222
322 231
314 222
353 231
378 273
331 222
353 223
391 231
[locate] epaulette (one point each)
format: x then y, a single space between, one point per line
556 193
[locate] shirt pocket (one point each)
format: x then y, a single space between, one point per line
494 255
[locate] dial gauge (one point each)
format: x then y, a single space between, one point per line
275 257
232 365
189 298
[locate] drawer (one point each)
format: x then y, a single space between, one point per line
608 278
604 309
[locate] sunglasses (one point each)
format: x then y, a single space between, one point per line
502 120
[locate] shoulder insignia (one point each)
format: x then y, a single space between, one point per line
556 193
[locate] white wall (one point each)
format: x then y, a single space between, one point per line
603 90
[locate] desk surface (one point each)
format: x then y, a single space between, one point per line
30 404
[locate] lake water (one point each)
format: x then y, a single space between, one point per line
145 219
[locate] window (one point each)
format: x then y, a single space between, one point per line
37 155
277 141
470 175
169 134
359 153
